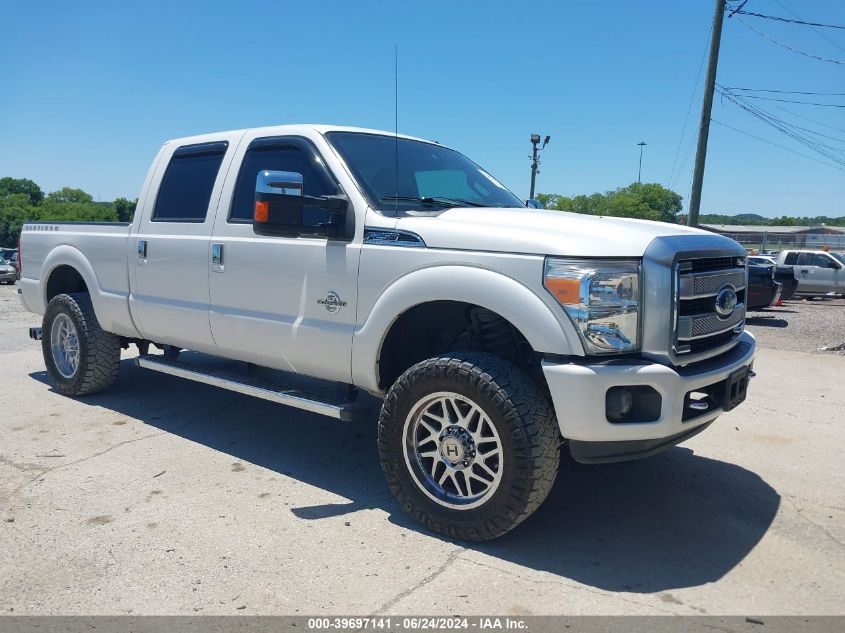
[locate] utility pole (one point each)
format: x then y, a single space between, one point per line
535 160
706 108
640 170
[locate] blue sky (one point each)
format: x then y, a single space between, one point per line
89 91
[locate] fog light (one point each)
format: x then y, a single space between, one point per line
634 404
619 402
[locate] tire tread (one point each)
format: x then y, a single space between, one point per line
528 417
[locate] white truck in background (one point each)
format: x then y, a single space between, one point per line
494 333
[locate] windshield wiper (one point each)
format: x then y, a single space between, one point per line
435 200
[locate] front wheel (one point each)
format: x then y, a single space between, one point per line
469 445
81 357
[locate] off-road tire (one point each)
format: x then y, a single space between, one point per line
526 426
99 351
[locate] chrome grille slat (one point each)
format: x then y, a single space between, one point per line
707 284
698 333
701 325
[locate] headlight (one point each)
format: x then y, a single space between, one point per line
602 297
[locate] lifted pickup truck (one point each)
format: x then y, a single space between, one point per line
494 333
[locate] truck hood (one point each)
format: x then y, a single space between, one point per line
541 232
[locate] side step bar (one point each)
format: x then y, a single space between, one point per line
343 411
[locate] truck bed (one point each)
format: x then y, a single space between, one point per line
96 249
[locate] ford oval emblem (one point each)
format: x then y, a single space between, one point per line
725 301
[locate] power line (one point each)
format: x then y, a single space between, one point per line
783 147
689 106
784 126
790 92
789 48
827 151
817 31
780 19
810 103
806 118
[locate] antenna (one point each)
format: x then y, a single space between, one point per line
396 125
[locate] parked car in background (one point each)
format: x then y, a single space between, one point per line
761 260
785 276
8 273
818 272
763 290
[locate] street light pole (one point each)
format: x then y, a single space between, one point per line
706 109
640 170
535 160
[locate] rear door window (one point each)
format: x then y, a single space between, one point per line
791 259
185 190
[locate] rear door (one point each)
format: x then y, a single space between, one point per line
169 256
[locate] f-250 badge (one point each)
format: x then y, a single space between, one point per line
332 302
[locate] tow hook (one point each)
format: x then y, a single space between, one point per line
35 333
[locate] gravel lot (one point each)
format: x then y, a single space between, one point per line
800 325
165 496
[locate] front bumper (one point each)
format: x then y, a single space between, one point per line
579 390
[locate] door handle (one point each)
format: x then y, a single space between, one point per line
804 270
217 258
142 251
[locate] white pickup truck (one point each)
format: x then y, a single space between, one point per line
493 332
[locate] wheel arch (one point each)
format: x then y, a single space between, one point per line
501 295
62 271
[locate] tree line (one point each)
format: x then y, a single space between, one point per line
646 201
652 201
22 200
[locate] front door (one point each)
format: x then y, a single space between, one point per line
816 272
282 302
169 255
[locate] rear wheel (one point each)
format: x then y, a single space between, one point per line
80 356
468 444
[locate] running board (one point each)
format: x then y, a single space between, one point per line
343 411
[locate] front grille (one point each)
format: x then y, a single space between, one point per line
698 328
704 305
713 263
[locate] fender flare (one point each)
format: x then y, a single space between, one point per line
104 303
544 329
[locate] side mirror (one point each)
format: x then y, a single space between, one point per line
531 203
281 207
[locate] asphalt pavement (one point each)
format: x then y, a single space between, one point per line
162 496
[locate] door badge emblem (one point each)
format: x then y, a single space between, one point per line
332 302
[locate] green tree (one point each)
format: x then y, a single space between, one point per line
125 209
10 186
15 209
67 194
665 202
76 211
647 201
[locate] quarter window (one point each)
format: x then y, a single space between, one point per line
185 191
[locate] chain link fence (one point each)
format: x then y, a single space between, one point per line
765 241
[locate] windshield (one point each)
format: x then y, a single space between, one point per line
838 256
429 177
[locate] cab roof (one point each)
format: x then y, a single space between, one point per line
281 130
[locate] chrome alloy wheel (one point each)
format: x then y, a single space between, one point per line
64 344
452 450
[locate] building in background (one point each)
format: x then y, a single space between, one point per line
764 238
